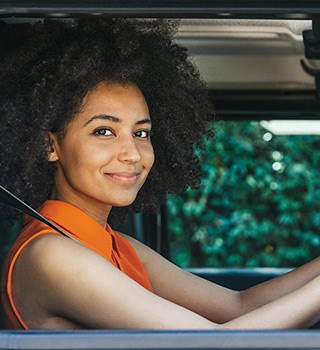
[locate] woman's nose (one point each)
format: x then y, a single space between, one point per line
128 151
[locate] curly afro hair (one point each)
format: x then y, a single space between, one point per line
46 69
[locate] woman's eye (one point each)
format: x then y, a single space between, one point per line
103 132
142 133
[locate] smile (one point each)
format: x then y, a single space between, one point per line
123 178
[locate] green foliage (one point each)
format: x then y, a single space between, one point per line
257 205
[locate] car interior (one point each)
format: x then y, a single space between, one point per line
261 63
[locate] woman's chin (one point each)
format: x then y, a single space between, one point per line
124 202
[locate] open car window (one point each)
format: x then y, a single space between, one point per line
252 56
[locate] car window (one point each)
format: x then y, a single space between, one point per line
249 54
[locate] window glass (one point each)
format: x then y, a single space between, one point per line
258 203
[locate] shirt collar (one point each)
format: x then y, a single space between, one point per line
79 224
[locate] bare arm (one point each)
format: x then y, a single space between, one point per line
72 282
79 285
266 292
214 302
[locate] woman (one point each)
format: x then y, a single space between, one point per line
98 117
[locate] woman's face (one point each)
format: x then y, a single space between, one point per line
106 153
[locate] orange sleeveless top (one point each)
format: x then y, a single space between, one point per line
109 244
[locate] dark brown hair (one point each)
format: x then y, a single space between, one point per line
46 69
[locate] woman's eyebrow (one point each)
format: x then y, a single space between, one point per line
115 119
103 117
144 121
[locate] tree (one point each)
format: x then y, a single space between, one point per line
258 202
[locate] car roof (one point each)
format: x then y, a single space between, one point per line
165 8
249 53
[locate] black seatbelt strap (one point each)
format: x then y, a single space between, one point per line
9 199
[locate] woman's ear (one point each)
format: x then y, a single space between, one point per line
53 154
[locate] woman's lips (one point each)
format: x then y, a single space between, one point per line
124 178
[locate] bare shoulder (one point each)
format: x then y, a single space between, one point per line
52 258
47 251
38 252
45 259
37 273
